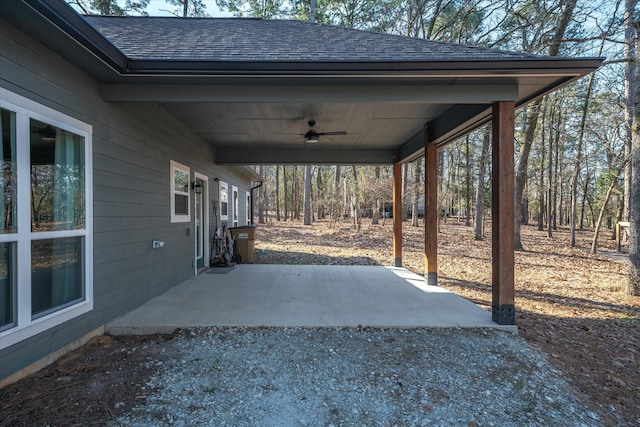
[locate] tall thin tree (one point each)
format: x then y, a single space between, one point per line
307 196
533 115
484 155
277 193
634 199
630 72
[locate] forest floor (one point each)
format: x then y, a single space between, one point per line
569 302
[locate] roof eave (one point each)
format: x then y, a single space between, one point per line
61 16
560 66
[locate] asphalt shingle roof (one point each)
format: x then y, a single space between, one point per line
256 40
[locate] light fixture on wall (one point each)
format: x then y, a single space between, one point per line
197 187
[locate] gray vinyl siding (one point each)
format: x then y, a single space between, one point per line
132 149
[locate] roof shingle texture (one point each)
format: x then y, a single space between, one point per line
256 40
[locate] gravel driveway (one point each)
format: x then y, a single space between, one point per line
354 377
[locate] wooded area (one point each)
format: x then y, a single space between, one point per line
576 149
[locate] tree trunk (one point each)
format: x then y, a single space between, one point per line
451 178
416 192
550 200
261 193
532 123
479 232
576 172
295 208
574 193
543 154
561 195
467 189
286 191
557 184
354 200
634 184
405 183
375 214
549 213
307 196
541 194
584 201
532 114
630 71
320 196
335 200
278 193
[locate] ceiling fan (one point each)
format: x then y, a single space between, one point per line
47 133
313 136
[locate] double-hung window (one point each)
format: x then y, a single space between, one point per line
46 264
224 200
180 196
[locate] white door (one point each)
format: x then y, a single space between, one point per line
235 205
200 216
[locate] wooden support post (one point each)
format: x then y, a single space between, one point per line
430 211
502 214
397 212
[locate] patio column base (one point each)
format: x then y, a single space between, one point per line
397 262
431 278
503 314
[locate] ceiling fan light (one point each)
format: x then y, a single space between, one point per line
47 134
312 139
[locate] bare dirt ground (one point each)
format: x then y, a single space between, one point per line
569 302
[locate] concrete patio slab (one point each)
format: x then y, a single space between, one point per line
305 296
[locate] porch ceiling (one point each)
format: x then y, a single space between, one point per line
266 124
249 87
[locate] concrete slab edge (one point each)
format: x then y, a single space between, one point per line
116 330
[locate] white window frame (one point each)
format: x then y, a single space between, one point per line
175 166
221 185
248 213
25 327
235 198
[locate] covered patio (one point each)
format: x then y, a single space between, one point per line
304 296
290 92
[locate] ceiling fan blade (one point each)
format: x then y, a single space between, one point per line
341 132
